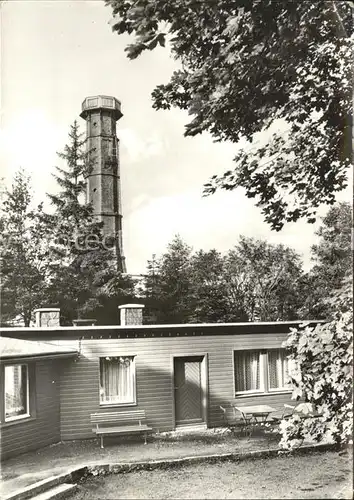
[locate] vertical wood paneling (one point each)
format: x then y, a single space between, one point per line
80 380
44 428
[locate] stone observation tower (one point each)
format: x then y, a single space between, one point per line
103 181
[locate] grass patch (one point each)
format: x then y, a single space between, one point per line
314 475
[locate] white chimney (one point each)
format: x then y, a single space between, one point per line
46 317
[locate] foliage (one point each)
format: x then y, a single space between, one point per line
250 67
73 217
168 284
148 291
332 258
209 296
322 374
333 254
253 281
267 277
26 268
58 259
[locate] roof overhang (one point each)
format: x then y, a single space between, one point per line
138 331
38 357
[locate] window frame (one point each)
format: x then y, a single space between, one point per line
26 415
264 374
277 389
262 380
115 403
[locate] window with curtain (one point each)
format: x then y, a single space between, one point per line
117 380
261 371
277 369
248 372
16 392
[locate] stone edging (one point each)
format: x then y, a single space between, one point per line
124 467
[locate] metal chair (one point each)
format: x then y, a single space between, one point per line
304 410
248 422
231 420
288 411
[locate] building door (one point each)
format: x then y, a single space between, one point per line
188 390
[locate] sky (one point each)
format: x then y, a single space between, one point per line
56 53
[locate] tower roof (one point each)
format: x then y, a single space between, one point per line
96 102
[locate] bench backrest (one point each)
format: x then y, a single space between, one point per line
118 417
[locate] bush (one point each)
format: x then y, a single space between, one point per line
321 361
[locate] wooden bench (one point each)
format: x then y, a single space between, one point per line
120 422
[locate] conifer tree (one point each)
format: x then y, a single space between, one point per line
74 217
86 267
26 267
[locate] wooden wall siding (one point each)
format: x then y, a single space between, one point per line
44 429
154 361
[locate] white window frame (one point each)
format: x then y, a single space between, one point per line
261 373
118 403
27 414
264 374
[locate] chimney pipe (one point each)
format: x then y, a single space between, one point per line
84 322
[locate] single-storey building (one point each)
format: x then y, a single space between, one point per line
30 393
178 374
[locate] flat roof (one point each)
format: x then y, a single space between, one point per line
16 348
126 331
167 325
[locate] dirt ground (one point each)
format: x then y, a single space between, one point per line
26 469
314 475
72 454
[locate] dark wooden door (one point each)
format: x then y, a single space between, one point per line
188 391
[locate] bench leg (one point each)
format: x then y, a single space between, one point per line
101 440
145 438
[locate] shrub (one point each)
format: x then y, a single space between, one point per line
321 361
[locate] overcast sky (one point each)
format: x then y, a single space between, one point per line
54 54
